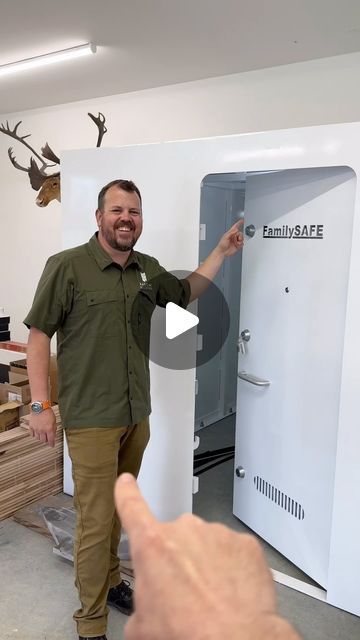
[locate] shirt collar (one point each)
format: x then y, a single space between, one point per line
103 259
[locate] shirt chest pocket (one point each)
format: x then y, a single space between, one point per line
143 307
146 303
104 313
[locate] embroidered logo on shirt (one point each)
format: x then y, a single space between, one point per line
144 284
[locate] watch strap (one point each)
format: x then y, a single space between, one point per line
45 404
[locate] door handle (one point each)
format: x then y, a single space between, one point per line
249 377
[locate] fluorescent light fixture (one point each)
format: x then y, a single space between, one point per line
48 58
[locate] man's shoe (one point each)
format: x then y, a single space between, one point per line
121 597
92 638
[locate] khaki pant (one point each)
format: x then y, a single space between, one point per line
98 456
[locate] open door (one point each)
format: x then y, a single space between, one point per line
292 315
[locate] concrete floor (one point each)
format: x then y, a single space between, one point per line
38 596
313 619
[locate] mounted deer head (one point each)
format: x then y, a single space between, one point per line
47 184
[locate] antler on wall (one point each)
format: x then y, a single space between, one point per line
100 123
48 185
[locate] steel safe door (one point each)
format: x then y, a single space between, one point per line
292 315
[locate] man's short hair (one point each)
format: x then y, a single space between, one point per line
125 185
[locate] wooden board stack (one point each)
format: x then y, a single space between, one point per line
29 470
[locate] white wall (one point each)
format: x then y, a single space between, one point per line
311 93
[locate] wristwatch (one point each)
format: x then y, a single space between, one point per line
38 407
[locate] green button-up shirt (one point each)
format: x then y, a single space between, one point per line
87 299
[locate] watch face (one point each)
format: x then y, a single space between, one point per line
36 407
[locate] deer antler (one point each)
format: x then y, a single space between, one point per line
13 134
48 184
48 153
13 161
100 123
37 177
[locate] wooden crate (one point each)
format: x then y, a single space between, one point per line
29 470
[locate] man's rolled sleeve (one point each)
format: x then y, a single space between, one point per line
52 299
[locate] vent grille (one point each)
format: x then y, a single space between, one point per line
281 499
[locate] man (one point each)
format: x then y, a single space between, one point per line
86 295
205 580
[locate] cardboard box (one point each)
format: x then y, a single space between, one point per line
9 415
29 469
10 412
20 367
17 389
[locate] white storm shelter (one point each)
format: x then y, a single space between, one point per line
277 367
288 366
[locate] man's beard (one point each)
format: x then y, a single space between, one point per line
110 237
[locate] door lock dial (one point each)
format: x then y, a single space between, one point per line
245 335
250 230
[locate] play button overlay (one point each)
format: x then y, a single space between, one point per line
178 321
171 334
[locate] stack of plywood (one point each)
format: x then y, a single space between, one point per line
29 470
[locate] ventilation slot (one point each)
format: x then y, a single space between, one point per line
281 499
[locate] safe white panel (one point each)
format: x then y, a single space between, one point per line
166 475
170 176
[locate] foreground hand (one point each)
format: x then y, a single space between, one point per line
194 579
232 240
43 426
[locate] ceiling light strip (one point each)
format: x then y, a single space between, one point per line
48 58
